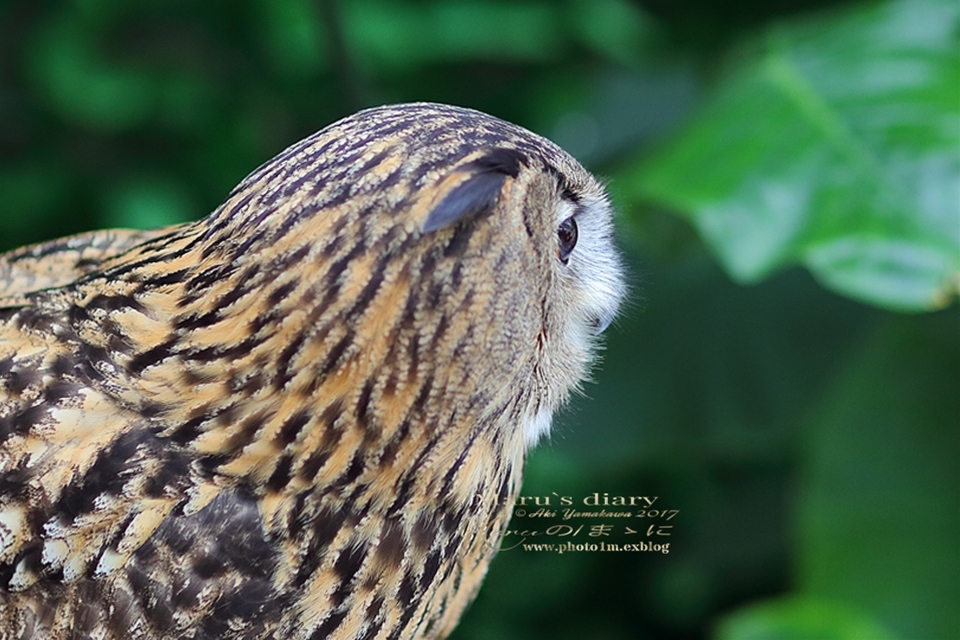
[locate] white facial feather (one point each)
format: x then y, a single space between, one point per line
591 289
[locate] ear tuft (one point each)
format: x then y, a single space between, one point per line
505 161
479 192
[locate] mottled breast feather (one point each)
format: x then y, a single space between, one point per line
304 416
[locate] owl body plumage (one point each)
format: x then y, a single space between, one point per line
306 415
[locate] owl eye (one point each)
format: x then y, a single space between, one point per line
567 234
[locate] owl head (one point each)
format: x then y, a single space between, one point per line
434 249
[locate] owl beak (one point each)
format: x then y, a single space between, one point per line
602 322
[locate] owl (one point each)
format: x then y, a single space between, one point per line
306 415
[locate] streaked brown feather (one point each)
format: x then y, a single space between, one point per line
304 415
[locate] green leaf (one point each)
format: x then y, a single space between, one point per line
800 619
147 202
31 193
82 85
293 35
396 35
878 524
616 29
837 146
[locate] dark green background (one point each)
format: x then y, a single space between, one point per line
786 174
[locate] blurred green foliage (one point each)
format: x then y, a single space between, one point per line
834 145
788 174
